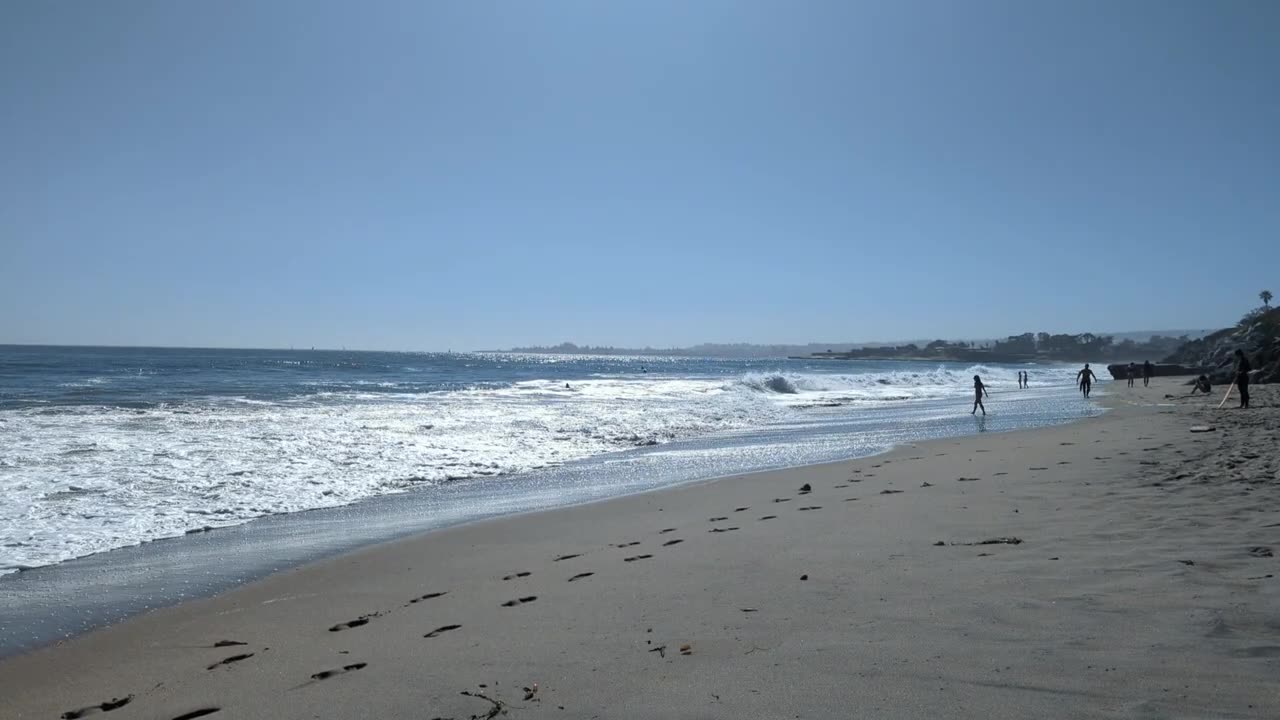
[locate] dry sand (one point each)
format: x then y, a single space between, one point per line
1144 586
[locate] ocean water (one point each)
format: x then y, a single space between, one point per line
102 448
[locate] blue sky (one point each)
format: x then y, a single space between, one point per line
432 175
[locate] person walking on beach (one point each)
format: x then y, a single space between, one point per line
1147 371
1242 377
978 391
1131 371
1086 377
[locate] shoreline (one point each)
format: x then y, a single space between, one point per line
1135 591
98 590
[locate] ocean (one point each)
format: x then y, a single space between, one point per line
104 448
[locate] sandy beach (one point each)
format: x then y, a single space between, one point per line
1117 567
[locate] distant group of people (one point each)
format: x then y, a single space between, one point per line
980 390
1147 371
1086 377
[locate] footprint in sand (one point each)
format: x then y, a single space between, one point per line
197 713
836 487
636 557
579 576
326 674
668 530
1260 651
890 492
1038 468
850 499
229 660
778 500
567 557
769 517
108 706
720 530
741 509
811 507
441 630
1001 473
627 545
520 601
716 519
669 543
432 596
963 479
227 643
521 574
1064 462
362 620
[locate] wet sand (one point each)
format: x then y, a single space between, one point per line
1119 567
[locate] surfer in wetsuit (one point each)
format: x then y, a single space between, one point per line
1086 377
1242 377
978 391
1147 371
1131 371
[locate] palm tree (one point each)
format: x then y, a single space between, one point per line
1265 295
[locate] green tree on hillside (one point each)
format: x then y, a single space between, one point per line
1265 295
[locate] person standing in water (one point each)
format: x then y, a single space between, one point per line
1131 371
1086 377
1147 371
978 391
1242 377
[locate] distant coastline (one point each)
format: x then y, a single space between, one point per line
1025 348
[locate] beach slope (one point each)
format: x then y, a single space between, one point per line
1119 567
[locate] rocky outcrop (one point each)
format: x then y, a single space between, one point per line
1258 335
1120 371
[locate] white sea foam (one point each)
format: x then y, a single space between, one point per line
83 479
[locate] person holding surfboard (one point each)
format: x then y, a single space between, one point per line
1242 377
1086 377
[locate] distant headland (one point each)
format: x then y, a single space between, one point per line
1027 347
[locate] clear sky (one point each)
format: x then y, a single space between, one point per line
436 175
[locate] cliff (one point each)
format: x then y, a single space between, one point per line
1257 334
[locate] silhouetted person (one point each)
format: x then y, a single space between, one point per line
1147 371
978 391
1130 372
1242 377
1086 377
1202 385
1026 379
